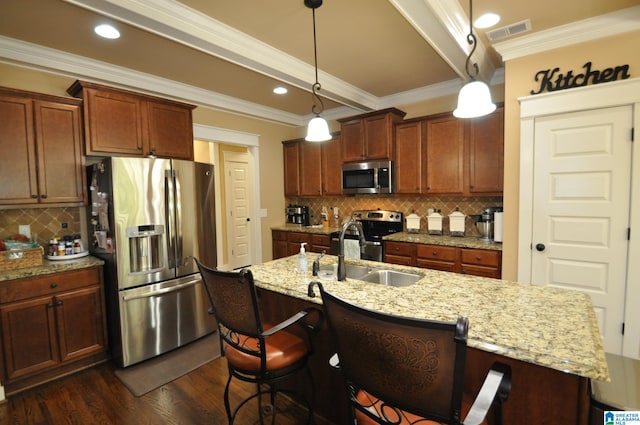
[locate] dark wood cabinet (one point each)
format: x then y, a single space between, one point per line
312 169
445 156
486 154
51 325
42 160
409 155
369 136
477 262
122 122
286 243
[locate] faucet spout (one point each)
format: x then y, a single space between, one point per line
342 272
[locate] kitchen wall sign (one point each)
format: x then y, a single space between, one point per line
553 80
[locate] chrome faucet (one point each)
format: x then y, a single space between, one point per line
342 272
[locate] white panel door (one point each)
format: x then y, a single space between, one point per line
238 190
581 205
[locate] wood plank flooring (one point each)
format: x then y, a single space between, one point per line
96 396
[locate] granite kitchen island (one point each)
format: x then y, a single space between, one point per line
548 336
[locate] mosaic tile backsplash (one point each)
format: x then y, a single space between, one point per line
45 222
407 205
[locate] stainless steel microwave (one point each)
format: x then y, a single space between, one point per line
367 177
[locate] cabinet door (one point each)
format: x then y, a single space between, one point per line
352 135
170 130
113 123
81 323
18 158
409 157
310 169
60 155
29 336
291 169
486 154
332 167
378 137
445 155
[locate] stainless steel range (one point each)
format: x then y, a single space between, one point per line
376 224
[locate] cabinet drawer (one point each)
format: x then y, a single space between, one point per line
445 266
436 252
279 235
320 240
399 248
482 271
298 237
21 289
481 257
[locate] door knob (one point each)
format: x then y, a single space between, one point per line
540 247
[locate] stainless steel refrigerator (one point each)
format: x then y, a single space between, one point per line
147 216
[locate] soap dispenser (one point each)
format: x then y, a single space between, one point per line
302 259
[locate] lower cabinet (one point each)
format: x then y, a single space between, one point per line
288 243
477 262
51 325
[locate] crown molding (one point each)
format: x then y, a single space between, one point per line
607 25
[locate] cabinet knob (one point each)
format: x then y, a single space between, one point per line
434 253
478 258
139 148
53 285
34 196
43 196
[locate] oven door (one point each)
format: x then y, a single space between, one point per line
372 250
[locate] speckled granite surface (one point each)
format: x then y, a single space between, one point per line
48 267
306 229
546 326
461 242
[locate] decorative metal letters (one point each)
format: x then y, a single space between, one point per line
552 80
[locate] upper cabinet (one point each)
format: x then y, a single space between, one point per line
41 143
369 136
410 148
312 169
126 123
463 157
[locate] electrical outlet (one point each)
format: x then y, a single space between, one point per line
25 229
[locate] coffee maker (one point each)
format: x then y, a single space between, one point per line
485 223
298 214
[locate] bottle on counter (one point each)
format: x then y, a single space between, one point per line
302 259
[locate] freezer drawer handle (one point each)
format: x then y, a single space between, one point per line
162 291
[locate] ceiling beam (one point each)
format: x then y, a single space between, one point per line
444 25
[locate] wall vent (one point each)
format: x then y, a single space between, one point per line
509 30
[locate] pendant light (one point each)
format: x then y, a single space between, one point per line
474 99
318 129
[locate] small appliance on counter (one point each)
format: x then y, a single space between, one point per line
413 223
457 224
298 214
498 218
485 223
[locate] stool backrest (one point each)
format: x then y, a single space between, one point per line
414 365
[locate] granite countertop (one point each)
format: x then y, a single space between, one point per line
317 229
546 326
460 242
48 267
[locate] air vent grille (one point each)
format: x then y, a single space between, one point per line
509 30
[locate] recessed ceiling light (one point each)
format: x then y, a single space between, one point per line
280 90
107 31
487 20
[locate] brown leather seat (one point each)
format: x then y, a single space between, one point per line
401 370
257 352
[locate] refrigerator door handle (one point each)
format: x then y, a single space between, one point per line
157 292
178 215
169 202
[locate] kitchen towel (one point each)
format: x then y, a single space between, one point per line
352 249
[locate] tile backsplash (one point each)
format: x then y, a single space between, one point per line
45 222
407 205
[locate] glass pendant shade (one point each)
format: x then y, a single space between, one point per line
318 130
474 100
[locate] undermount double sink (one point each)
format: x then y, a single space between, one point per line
371 274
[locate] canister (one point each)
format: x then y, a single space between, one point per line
434 221
456 223
413 223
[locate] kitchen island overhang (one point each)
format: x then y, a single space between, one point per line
545 326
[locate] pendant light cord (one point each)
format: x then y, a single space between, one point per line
471 39
316 86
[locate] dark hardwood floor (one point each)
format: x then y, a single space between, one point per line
96 396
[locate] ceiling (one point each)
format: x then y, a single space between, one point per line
230 54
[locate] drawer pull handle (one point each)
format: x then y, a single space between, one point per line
53 285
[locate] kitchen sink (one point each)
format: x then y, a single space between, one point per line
391 278
370 274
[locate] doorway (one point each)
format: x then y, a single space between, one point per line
576 202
